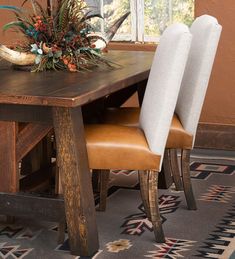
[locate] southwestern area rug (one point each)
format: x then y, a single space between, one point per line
125 232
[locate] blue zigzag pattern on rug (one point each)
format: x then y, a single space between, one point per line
220 244
136 224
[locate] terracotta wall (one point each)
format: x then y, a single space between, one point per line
219 105
7 16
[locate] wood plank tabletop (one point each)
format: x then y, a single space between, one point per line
66 89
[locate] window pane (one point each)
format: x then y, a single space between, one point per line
94 8
111 10
158 14
183 11
114 9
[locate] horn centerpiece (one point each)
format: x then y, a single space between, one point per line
58 37
17 58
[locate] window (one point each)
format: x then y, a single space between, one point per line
148 18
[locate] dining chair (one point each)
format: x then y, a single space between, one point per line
112 146
206 33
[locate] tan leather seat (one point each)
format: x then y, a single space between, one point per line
108 144
177 138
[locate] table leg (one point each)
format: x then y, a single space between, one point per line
9 170
76 181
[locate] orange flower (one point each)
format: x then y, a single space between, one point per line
65 60
72 67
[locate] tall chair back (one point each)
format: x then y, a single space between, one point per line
206 33
163 85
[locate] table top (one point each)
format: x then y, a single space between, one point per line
66 89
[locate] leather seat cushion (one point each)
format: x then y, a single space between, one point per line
119 147
129 116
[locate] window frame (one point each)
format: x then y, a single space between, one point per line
137 15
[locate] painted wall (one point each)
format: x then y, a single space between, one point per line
219 105
7 16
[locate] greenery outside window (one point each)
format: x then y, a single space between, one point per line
147 20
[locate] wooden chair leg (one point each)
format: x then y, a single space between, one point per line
104 182
185 169
175 169
95 180
153 207
166 170
148 185
143 179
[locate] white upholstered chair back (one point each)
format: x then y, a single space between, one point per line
206 33
163 85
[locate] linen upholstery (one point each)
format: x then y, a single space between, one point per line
206 33
162 89
108 145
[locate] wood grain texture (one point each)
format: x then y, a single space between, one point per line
28 138
28 97
9 169
76 180
104 185
25 113
175 169
73 89
185 169
22 205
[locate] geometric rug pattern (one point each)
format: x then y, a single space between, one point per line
220 243
125 232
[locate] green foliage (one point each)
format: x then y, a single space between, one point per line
60 38
158 14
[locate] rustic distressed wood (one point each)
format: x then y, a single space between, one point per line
73 89
104 185
185 169
76 180
175 169
132 46
25 113
26 205
149 194
28 97
95 180
143 180
29 137
165 176
9 169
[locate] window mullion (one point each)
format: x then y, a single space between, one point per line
102 14
134 29
140 19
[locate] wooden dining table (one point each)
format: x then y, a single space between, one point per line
54 99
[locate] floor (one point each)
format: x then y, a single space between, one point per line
125 232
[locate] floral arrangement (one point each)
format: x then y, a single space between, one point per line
57 37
